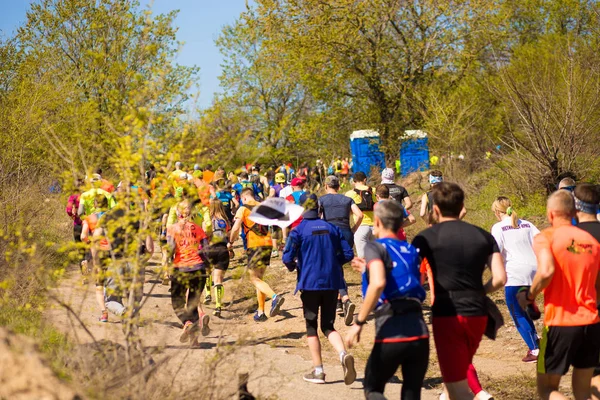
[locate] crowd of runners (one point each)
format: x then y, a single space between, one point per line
319 219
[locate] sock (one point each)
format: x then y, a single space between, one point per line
260 312
342 355
535 352
319 369
219 291
208 285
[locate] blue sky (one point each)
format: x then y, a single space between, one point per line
199 23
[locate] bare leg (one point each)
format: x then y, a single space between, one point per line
314 345
336 341
100 298
596 388
548 387
582 379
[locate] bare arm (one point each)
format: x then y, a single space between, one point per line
85 232
498 279
424 201
235 230
544 273
407 202
374 290
358 215
81 209
149 245
409 221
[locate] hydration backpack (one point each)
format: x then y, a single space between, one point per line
366 199
257 229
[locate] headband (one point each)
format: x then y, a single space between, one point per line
587 208
435 179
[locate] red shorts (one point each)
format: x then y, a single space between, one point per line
456 341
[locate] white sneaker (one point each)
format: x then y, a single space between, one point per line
274 254
483 395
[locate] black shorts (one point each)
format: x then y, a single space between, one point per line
259 257
312 301
218 256
565 346
77 233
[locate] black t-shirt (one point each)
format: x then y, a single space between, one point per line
336 209
397 192
458 253
593 228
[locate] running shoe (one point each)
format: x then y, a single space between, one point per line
274 254
530 357
204 320
339 308
104 316
349 308
260 318
207 299
217 312
348 367
187 330
315 378
483 395
276 304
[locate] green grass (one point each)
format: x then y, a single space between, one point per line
29 322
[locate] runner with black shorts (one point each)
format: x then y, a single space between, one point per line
187 242
458 253
318 250
391 287
568 262
218 251
259 250
337 209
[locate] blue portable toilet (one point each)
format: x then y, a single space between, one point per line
414 152
365 151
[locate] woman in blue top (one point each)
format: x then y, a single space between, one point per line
391 287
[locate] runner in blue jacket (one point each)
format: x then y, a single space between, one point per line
317 250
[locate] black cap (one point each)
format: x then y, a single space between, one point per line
309 201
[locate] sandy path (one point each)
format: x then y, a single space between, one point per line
274 353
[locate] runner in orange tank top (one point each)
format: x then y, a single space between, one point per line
187 243
568 262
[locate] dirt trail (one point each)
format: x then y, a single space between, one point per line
274 353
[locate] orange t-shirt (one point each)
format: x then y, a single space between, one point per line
254 240
188 239
570 299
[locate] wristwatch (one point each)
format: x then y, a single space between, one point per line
359 322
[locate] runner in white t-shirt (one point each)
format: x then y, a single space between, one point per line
515 240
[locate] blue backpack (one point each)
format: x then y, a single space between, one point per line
403 279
